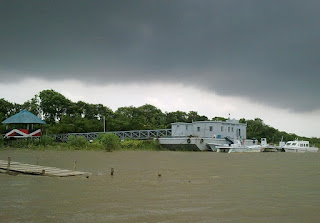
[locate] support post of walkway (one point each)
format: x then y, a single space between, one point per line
75 165
8 166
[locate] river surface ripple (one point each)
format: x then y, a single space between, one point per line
193 187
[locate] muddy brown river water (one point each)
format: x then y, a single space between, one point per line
193 187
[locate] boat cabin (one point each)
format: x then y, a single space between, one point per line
301 144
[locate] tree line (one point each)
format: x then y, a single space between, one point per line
63 116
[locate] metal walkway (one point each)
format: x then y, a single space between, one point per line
134 134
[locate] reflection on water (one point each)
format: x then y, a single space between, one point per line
193 187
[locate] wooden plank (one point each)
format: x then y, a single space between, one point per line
38 170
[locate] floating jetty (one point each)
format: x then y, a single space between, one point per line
24 168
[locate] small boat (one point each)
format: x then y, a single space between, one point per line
238 147
229 148
298 146
258 148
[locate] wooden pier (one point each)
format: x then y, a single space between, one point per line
16 167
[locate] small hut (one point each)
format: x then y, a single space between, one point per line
23 125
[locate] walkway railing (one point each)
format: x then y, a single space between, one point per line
133 134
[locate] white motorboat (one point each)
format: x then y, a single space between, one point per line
238 147
258 148
298 146
228 148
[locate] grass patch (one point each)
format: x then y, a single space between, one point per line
106 142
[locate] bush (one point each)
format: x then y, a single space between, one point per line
131 144
1 140
20 143
109 141
95 145
46 141
78 142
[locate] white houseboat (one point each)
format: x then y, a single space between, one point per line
297 146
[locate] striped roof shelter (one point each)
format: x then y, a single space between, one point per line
24 117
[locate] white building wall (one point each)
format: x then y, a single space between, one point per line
180 129
202 129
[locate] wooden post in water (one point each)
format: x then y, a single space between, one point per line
112 171
159 174
75 165
43 172
8 166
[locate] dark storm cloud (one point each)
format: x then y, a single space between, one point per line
267 51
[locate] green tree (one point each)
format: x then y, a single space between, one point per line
193 116
53 105
177 116
7 109
33 106
217 118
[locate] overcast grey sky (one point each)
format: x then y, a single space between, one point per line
264 52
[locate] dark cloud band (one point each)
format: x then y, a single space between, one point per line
267 51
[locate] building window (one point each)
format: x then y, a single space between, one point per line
228 129
210 128
186 127
221 128
198 128
231 129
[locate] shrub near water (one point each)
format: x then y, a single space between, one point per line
108 141
1 140
131 144
46 141
78 142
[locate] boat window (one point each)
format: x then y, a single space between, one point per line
301 145
198 128
221 128
210 128
294 144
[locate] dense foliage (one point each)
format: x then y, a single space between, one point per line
64 116
105 142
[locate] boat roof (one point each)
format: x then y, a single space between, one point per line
298 141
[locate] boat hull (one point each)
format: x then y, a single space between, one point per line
300 150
